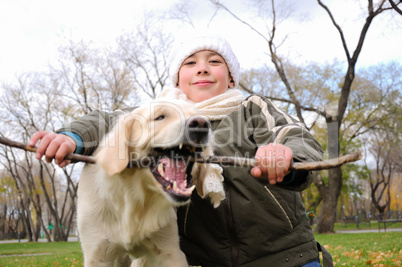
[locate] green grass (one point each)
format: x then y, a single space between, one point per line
56 254
363 249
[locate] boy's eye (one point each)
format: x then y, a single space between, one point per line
215 61
189 63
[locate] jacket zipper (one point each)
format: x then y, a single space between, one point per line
230 224
280 206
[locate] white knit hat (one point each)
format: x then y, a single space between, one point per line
190 45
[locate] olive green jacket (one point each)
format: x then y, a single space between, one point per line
258 224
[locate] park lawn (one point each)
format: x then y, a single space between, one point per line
47 254
363 249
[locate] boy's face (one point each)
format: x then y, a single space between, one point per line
204 75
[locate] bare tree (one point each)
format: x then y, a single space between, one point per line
11 220
88 78
313 84
330 192
144 53
386 162
30 106
75 77
385 143
117 88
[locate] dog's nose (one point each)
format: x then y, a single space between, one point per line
198 122
198 130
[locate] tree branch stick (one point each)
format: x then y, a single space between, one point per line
221 160
75 157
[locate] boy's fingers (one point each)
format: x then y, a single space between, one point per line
53 146
64 163
51 150
279 177
63 150
288 158
273 161
282 165
42 147
256 172
35 138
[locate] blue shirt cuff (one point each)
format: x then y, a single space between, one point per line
79 149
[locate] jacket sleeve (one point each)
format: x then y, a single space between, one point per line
274 126
91 128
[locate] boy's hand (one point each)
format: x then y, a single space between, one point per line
273 162
53 145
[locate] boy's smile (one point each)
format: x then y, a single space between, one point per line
203 83
204 75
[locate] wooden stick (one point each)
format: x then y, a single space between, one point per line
75 157
295 166
221 160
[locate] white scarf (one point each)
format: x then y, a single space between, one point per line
210 179
215 108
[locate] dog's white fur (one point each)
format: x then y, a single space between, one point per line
123 210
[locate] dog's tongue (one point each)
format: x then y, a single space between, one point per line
174 170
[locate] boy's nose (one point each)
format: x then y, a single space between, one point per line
202 72
203 68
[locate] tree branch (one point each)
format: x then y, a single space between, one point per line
395 6
75 157
345 46
250 91
350 73
222 160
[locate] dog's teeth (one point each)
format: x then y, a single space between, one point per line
191 188
175 186
160 169
181 146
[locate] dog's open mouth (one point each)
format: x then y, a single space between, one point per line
172 170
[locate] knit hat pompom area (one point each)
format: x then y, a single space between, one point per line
192 44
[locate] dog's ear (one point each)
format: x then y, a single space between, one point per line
113 153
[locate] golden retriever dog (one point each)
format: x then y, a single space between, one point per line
126 214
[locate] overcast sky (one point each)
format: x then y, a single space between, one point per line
32 30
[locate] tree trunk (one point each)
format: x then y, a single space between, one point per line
331 193
327 216
27 226
3 222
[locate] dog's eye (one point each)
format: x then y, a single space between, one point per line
161 117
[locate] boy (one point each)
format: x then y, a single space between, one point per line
261 222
